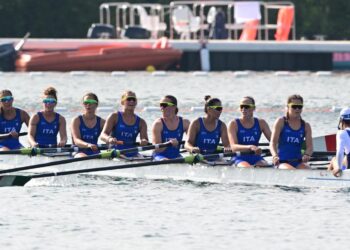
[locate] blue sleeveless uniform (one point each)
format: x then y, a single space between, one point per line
248 136
6 126
208 141
290 143
167 134
126 133
46 132
89 135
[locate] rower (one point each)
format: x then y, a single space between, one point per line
124 126
339 162
11 120
288 135
45 125
204 133
244 134
170 127
86 128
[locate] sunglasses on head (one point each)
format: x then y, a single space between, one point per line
217 108
6 98
130 99
49 100
89 101
166 104
295 106
246 106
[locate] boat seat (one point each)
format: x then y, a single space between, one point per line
185 22
151 23
285 19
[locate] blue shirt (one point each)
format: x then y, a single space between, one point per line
126 133
167 134
6 126
46 132
291 141
90 135
208 141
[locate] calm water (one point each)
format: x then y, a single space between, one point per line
90 212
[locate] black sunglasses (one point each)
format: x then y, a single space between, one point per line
246 106
131 98
294 106
166 104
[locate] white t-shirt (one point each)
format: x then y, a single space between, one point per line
343 145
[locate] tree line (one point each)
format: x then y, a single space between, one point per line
72 18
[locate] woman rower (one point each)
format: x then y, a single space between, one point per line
45 125
124 126
86 128
341 160
170 127
288 136
244 134
204 133
11 120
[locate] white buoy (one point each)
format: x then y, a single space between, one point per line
36 73
336 109
78 73
323 73
159 73
105 109
197 109
61 109
283 73
205 58
118 73
151 109
200 73
240 73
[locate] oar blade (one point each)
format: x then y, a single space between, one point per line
13 180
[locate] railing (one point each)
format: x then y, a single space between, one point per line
191 19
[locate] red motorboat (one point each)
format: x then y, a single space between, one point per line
99 57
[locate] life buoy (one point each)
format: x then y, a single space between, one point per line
161 43
284 23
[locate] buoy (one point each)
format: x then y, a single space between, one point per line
77 73
36 73
323 73
200 73
240 73
150 68
282 73
159 73
205 58
118 73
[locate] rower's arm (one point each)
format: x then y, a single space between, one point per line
342 140
192 134
112 119
76 134
275 136
265 129
157 128
143 132
224 137
63 132
308 140
232 136
33 122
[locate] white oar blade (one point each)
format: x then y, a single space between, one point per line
325 143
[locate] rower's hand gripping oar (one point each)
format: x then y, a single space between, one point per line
104 155
21 180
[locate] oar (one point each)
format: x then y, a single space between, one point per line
6 136
21 180
103 155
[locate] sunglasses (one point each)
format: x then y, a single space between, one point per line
6 98
295 106
246 106
49 101
166 104
89 101
217 108
130 98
